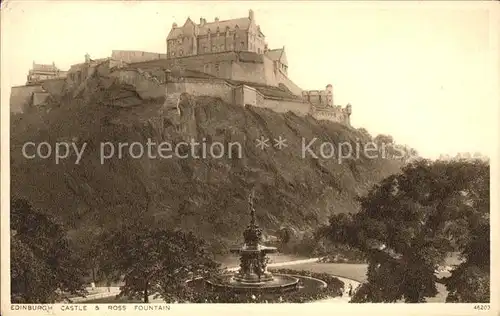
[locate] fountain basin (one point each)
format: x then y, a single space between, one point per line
254 250
279 283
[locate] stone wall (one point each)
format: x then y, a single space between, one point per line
245 95
39 98
147 88
269 72
221 69
54 86
130 56
198 62
283 106
243 66
249 72
214 88
282 78
21 96
335 114
239 95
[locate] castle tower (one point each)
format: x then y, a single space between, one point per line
329 95
348 110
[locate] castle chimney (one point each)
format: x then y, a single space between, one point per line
251 15
216 19
202 21
174 25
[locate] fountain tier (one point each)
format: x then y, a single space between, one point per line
253 274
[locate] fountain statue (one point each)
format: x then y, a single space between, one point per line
253 257
252 274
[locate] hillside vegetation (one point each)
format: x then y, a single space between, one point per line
207 196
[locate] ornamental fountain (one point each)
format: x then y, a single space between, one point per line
252 282
252 275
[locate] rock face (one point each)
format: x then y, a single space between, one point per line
204 194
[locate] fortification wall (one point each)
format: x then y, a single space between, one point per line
249 72
40 98
334 116
135 56
20 97
282 78
239 95
269 72
202 87
54 86
214 88
283 106
221 69
147 88
244 95
197 62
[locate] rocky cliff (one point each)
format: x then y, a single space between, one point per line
207 195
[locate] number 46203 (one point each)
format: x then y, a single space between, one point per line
484 307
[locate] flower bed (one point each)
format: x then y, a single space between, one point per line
311 291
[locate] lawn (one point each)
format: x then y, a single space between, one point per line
357 272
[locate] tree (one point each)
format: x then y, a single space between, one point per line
365 133
155 261
410 222
285 235
44 268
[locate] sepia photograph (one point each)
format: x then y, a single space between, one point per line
158 154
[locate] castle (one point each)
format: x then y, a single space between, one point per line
229 59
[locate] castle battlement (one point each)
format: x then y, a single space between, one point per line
323 107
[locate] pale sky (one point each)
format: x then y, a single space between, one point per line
425 73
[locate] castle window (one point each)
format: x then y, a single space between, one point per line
242 44
217 68
181 52
319 99
173 54
222 48
214 48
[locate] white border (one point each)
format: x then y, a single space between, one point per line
283 309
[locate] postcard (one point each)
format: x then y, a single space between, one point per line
276 157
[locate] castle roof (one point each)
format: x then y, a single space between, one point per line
241 23
275 54
211 27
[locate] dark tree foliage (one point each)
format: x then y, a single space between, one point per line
410 222
44 268
154 261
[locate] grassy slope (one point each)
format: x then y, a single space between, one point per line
205 195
